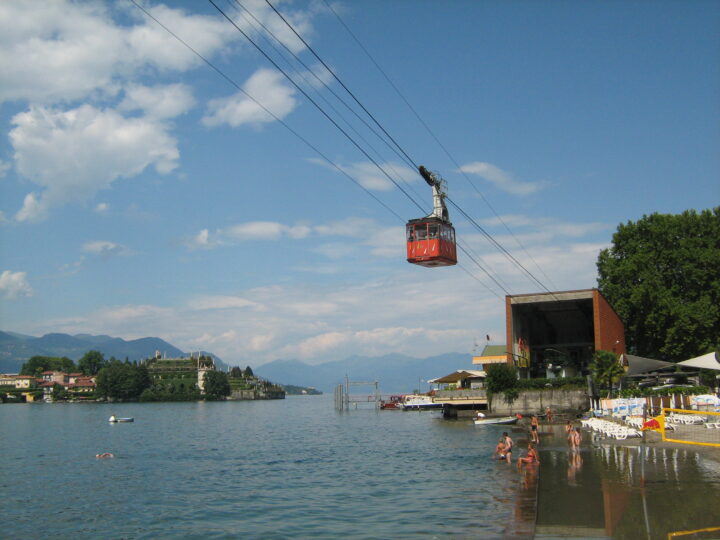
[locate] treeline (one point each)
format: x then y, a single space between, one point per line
128 381
90 364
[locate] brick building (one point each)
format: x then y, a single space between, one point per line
556 334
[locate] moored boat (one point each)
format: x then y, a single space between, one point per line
114 419
419 402
482 420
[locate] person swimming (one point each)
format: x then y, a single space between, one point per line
104 455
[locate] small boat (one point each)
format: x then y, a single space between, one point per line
114 419
393 404
482 420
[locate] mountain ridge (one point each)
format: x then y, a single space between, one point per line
16 349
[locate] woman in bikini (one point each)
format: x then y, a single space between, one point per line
531 456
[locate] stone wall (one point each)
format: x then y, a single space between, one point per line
535 401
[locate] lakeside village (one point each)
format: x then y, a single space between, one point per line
52 379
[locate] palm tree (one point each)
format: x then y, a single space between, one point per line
606 368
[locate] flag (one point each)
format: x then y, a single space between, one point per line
653 424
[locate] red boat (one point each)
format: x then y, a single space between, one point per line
394 403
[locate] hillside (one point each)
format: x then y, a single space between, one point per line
395 373
15 348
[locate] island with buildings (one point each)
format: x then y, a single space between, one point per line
190 378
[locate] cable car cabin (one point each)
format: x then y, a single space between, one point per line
431 242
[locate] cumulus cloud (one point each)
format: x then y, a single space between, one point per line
79 47
4 167
502 179
246 232
162 101
14 284
76 153
266 87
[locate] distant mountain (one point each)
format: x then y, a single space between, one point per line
16 349
395 373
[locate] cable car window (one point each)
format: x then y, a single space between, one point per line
432 231
411 234
421 231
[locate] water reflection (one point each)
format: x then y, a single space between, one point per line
603 490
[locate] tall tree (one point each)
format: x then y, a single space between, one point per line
662 277
91 362
606 369
217 385
122 381
37 364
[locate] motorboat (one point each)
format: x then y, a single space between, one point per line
482 420
419 402
114 419
395 403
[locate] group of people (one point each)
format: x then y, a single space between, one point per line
503 450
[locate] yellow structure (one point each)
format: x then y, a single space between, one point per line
701 428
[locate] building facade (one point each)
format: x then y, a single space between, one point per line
555 334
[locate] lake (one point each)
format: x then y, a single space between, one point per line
293 468
296 468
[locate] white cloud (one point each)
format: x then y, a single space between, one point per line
74 154
105 248
246 232
14 284
83 51
268 88
102 208
222 302
162 101
502 179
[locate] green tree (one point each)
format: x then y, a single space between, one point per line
249 372
606 369
122 381
217 385
59 393
236 372
662 277
91 362
37 364
501 378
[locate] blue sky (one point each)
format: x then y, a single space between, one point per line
143 195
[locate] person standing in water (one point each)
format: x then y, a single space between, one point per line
508 446
533 429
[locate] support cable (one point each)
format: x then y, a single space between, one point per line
322 111
435 138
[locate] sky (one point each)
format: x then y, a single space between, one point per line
144 192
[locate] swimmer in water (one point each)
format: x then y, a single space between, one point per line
104 455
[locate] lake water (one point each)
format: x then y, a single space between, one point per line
296 468
293 468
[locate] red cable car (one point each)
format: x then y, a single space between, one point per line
431 240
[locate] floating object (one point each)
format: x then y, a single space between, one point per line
113 419
431 240
496 420
104 455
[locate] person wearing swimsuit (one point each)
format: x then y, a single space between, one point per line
531 456
508 446
533 429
